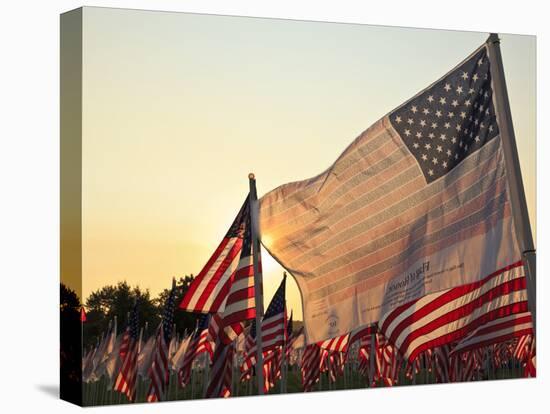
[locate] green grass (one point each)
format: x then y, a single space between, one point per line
101 393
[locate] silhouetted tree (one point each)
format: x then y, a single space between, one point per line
70 345
117 300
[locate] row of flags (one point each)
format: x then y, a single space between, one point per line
209 338
370 354
406 245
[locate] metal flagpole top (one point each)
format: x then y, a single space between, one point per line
493 38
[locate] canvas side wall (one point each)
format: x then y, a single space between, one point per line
71 206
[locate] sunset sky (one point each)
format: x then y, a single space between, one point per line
179 108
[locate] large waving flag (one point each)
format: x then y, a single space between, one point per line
418 203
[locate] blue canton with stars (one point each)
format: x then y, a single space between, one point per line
168 315
133 323
277 304
452 119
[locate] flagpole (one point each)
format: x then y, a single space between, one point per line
258 290
205 375
371 357
513 171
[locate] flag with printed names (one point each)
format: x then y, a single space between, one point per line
418 203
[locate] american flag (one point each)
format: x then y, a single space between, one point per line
208 291
221 374
497 331
362 332
88 365
310 366
343 342
530 364
338 344
274 331
442 363
365 338
249 355
240 305
522 347
274 320
468 367
226 283
126 378
388 362
159 372
364 360
197 345
372 369
292 337
333 363
423 189
222 362
272 367
452 314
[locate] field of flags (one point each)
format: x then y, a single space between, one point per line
127 367
422 193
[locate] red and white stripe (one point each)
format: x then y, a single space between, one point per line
209 290
497 331
336 363
364 361
240 305
390 363
197 346
221 371
442 364
310 366
126 378
159 373
522 347
452 314
274 331
468 365
337 344
291 341
362 332
272 368
530 365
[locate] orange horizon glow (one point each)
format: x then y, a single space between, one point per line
179 108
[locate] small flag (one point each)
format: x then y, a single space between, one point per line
126 379
159 372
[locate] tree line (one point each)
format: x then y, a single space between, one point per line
103 304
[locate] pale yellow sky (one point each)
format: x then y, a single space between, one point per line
179 108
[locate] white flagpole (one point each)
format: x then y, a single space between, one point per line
258 288
513 172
